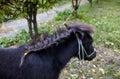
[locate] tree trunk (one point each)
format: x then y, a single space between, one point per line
97 1
75 5
90 1
30 28
35 24
29 20
32 21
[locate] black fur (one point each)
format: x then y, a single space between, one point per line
47 57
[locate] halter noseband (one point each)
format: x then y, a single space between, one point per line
80 47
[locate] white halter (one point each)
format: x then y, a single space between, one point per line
80 47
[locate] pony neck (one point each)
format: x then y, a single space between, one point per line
67 50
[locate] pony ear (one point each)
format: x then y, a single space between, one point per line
82 34
79 34
66 25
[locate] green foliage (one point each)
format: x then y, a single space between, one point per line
63 15
61 2
46 28
11 9
21 38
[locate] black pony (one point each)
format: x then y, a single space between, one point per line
45 58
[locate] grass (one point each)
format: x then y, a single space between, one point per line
105 19
20 38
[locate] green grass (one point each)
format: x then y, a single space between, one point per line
105 19
20 38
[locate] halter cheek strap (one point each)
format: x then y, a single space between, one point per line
80 47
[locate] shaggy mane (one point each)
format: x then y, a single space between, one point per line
82 27
46 40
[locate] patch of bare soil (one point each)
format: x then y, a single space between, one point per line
106 65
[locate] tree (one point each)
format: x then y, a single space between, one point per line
7 10
75 5
28 9
91 1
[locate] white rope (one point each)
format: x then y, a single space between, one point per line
81 48
83 52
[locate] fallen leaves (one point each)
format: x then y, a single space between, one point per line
102 70
93 70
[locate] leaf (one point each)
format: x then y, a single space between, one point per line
102 70
93 70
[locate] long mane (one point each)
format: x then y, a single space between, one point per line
47 40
